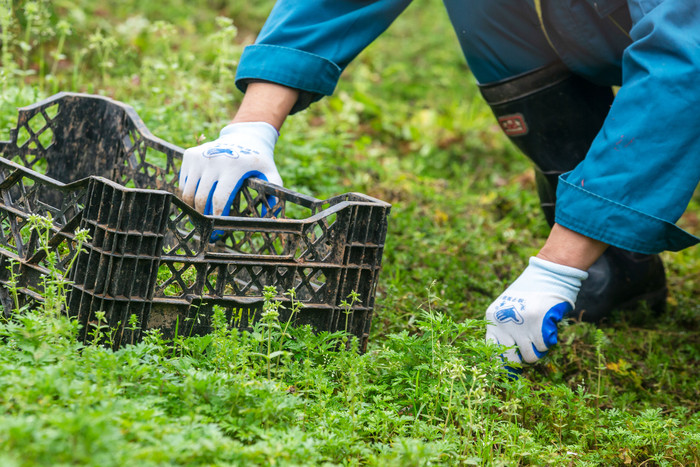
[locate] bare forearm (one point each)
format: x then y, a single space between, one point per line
266 102
570 248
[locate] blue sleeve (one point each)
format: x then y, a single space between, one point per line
644 165
307 44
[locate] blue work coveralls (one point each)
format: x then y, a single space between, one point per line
642 168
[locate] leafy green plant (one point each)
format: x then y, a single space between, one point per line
406 125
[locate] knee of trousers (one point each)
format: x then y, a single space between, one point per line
499 38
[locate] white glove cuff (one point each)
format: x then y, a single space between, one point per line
543 275
559 269
263 132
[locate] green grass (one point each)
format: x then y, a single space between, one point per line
406 125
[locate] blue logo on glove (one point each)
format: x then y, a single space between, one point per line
231 151
509 310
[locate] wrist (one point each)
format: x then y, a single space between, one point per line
569 248
266 102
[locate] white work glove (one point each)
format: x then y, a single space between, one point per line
212 173
527 313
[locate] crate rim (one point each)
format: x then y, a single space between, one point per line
219 221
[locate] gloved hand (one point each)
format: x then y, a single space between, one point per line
527 313
212 173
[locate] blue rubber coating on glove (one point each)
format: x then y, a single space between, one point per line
208 209
513 373
549 323
541 354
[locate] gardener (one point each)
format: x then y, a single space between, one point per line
622 168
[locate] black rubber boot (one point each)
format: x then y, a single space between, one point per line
553 116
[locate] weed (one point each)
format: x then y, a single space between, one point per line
54 282
294 307
347 307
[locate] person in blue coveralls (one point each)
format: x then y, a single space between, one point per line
614 172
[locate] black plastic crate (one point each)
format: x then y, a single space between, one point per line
90 162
